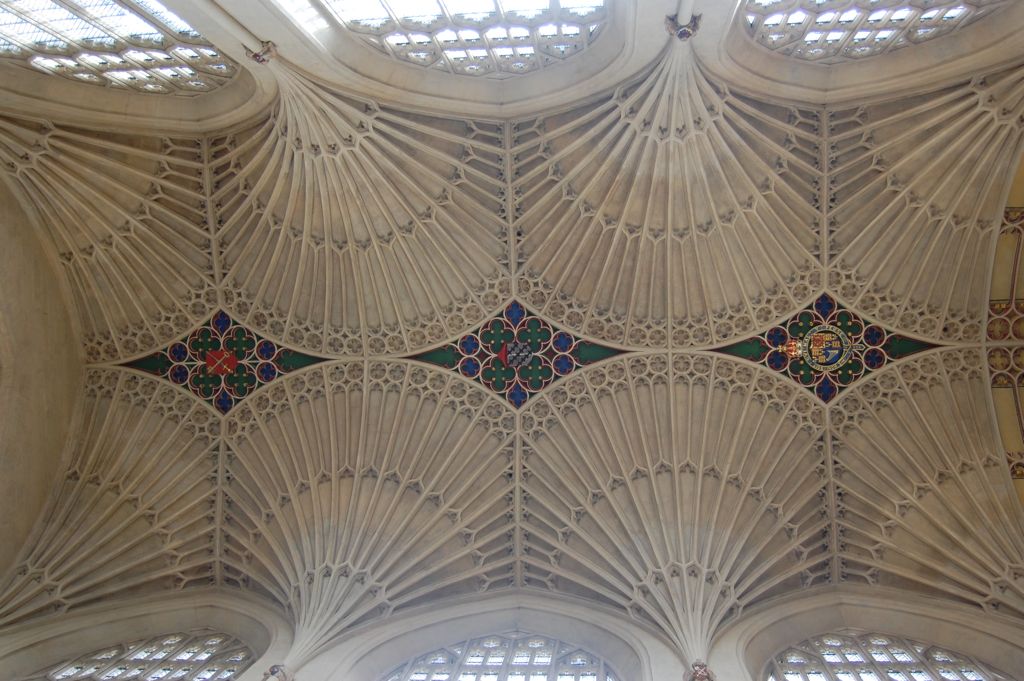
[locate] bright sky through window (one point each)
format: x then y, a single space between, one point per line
505 658
874 657
469 37
840 31
132 45
199 656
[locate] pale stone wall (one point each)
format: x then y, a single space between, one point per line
40 374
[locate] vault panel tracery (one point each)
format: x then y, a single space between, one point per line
412 460
386 229
608 450
915 193
133 511
672 213
222 363
924 499
678 486
126 219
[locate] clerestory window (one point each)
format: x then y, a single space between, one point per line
196 656
135 45
505 658
874 657
497 38
834 31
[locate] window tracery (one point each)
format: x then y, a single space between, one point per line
467 37
124 44
833 31
514 657
874 657
199 656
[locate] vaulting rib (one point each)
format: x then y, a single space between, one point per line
356 489
917 189
126 219
680 488
133 510
347 226
673 212
925 501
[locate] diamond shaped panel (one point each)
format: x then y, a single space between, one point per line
517 354
223 362
826 347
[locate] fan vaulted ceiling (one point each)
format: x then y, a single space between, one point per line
278 397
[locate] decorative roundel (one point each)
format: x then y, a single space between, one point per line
826 347
517 354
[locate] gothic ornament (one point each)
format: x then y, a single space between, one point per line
517 354
223 362
683 31
267 52
699 672
277 673
826 347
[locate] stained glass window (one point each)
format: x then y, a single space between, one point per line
129 45
505 658
198 656
468 37
840 30
874 657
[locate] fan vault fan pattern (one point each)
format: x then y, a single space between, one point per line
662 220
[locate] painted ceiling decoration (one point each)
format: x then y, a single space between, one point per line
870 657
222 362
622 242
194 656
517 354
826 348
125 44
464 37
837 31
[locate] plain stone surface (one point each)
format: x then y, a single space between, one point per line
40 373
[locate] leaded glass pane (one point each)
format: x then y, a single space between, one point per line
838 30
124 44
874 657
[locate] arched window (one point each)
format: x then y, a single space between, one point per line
839 31
198 656
138 45
874 657
513 657
467 37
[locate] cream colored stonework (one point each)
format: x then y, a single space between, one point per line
664 198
